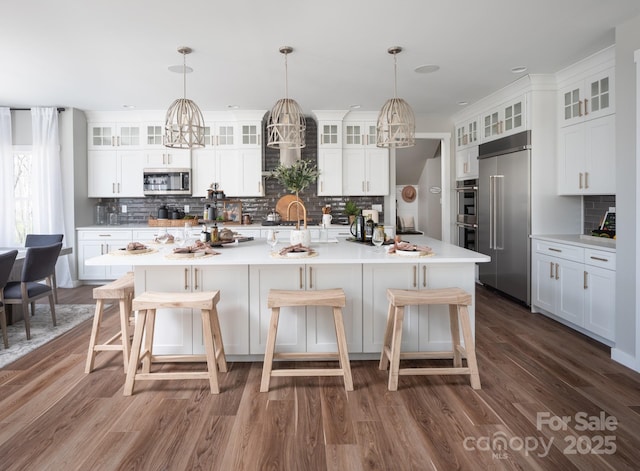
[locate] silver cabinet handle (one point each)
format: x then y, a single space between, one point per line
415 276
554 250
195 275
301 284
186 281
310 277
599 259
580 180
586 110
557 271
550 269
586 277
586 180
424 276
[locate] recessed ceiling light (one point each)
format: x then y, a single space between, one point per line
354 107
463 103
519 69
426 69
178 69
128 107
233 107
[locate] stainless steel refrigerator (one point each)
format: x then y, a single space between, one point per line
504 214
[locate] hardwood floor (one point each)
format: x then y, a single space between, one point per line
54 417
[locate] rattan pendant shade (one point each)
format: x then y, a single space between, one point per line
396 125
286 125
184 124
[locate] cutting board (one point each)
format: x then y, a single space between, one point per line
283 204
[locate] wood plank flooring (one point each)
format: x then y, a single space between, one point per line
55 417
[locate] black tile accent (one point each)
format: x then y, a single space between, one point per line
594 209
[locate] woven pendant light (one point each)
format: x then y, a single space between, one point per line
396 122
184 124
286 124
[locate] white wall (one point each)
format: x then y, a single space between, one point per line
430 203
409 209
626 350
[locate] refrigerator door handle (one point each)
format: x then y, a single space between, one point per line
498 213
491 210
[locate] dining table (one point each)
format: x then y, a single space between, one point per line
14 311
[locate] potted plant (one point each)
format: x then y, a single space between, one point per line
351 210
296 178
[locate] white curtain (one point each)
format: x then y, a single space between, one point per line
7 181
48 208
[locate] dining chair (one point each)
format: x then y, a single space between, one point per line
6 264
39 265
38 240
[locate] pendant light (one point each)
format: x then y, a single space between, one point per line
286 124
184 124
396 122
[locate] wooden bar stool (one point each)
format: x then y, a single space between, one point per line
146 305
333 298
120 290
458 300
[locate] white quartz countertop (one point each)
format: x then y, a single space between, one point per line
257 252
195 225
579 240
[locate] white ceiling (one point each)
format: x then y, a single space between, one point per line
102 55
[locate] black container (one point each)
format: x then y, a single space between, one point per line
163 212
358 228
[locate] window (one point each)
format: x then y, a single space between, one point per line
22 191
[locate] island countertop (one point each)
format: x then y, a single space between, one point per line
257 252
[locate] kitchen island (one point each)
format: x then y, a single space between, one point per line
244 274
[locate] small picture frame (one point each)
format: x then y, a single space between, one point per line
232 212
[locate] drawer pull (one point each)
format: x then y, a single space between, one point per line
310 277
599 259
300 271
550 269
554 250
424 276
586 275
196 278
186 283
415 276
557 271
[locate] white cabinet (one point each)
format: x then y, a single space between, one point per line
95 243
168 158
330 167
467 166
586 157
250 134
219 141
425 328
508 118
357 134
365 171
587 98
467 134
330 134
179 331
106 135
305 329
115 173
241 175
576 285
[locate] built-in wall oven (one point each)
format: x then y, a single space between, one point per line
467 213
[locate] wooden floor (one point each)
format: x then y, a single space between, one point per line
54 417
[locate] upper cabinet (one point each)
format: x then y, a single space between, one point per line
330 140
586 126
588 98
467 165
504 120
467 134
358 134
108 135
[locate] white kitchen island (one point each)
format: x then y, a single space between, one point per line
244 274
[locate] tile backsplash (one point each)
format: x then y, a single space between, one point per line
594 208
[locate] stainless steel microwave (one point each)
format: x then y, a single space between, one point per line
167 181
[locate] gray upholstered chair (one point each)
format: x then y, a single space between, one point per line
39 265
38 240
6 264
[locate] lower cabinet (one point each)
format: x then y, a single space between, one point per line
576 285
179 331
425 328
95 243
305 329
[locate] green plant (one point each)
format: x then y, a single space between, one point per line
350 208
296 178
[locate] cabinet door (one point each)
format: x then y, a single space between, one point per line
353 172
250 135
600 156
377 170
330 167
600 94
101 135
467 165
376 278
173 332
321 334
600 301
233 307
571 152
330 135
251 160
130 174
571 111
543 292
353 135
513 117
102 168
170 158
292 324
86 250
490 125
206 169
570 276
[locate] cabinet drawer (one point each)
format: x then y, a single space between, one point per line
600 258
567 252
106 235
